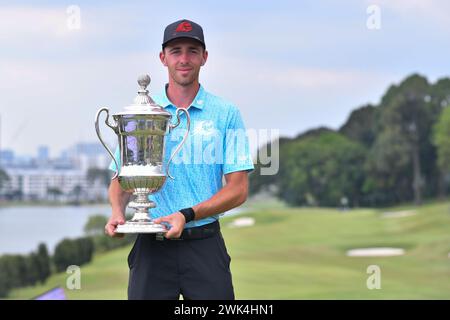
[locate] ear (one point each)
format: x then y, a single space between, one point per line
205 57
162 57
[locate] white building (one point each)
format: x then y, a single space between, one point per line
54 184
84 161
61 179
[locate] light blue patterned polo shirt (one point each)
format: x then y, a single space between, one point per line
216 145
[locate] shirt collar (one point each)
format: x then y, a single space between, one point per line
198 102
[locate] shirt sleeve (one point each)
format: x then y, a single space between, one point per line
237 156
112 165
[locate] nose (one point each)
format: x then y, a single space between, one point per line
184 58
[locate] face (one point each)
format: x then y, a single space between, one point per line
183 59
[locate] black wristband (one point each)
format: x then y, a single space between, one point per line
189 214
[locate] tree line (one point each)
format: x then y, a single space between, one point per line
18 271
395 152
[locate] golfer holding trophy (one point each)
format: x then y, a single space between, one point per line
177 194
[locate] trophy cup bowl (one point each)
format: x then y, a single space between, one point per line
141 131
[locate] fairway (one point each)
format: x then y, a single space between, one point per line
300 253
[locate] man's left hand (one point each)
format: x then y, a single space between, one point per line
177 222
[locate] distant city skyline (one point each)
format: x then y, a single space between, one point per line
42 153
287 65
66 177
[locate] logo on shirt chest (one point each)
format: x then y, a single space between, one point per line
204 128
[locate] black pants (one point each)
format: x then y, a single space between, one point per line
196 269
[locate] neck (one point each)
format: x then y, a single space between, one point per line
182 96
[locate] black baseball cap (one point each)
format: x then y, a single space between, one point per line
183 29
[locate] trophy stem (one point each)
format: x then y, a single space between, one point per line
141 221
141 203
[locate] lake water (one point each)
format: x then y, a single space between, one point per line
23 228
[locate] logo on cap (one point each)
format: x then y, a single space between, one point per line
184 27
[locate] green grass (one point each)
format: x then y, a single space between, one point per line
299 253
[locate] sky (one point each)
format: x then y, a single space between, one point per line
288 65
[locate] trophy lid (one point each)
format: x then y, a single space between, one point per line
143 104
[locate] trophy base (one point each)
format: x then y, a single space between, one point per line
140 227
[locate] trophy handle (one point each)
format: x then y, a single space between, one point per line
173 126
97 129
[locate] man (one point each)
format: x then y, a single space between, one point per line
198 265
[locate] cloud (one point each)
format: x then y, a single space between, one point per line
429 11
50 33
55 102
259 74
19 23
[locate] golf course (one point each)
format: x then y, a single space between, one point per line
301 253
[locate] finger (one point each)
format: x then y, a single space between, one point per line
161 219
117 222
110 229
157 220
173 233
168 235
113 233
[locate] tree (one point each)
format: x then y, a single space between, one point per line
43 263
103 175
402 159
439 102
360 126
23 270
85 247
73 252
31 275
403 124
321 170
77 191
260 182
387 169
65 255
54 193
95 225
3 178
15 268
5 279
441 140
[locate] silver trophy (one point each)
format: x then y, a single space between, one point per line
141 130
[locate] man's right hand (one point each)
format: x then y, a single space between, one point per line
119 200
113 222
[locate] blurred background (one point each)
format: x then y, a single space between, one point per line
348 109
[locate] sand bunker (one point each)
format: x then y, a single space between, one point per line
398 214
242 222
375 252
